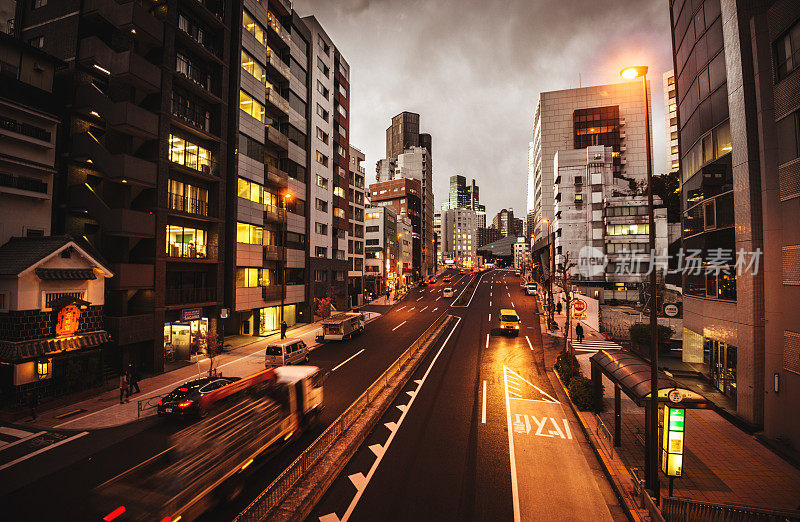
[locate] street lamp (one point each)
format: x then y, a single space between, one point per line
287 197
651 458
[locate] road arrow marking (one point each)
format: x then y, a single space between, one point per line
377 449
358 480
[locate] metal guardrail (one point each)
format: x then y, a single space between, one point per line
280 487
144 405
603 434
680 509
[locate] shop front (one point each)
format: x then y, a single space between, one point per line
721 360
270 318
184 339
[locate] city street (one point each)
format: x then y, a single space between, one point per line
80 460
477 434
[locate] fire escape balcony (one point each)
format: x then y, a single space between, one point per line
117 167
130 17
127 65
114 221
124 116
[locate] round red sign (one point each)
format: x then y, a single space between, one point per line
579 306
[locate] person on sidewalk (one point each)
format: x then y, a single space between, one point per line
558 308
33 402
133 379
579 332
124 388
283 329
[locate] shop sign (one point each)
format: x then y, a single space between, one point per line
672 441
191 314
68 319
671 310
223 313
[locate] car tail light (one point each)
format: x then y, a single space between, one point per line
183 389
185 404
114 514
160 402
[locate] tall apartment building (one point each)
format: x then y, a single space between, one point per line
142 170
409 155
267 248
381 250
29 120
459 236
530 199
671 122
355 242
611 115
404 196
405 246
437 232
738 90
329 172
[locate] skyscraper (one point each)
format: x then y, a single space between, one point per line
671 121
462 195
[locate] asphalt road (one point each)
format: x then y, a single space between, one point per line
477 434
57 484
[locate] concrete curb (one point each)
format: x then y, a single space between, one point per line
299 504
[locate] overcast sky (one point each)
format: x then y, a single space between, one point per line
473 71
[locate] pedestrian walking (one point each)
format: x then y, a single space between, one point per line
579 332
133 379
124 388
33 402
558 307
283 329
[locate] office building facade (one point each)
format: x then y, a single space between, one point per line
671 122
610 115
404 196
459 236
355 241
381 250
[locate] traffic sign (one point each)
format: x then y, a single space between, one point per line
579 306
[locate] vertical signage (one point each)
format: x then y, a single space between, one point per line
672 441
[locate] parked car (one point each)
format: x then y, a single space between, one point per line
509 321
447 292
530 289
285 351
184 401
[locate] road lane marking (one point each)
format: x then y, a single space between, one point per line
483 414
42 450
410 309
529 343
398 326
396 427
509 295
487 340
438 298
512 304
515 375
490 303
14 432
23 439
490 318
348 359
423 309
514 492
421 298
398 309
435 309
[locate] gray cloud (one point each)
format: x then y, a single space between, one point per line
473 70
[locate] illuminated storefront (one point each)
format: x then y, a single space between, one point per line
184 339
269 318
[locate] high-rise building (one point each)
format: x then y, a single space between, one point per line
739 142
144 178
437 231
463 195
530 197
459 236
404 196
610 115
487 235
266 272
329 175
381 250
507 224
671 122
355 242
408 155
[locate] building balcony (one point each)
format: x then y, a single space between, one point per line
127 66
276 104
114 221
274 253
123 116
190 296
277 64
23 185
283 7
276 176
187 205
130 329
131 17
195 117
129 275
118 167
191 253
276 27
271 292
274 214
276 138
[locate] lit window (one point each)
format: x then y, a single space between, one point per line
322 182
249 234
189 155
250 65
338 191
322 159
339 213
254 28
252 107
186 242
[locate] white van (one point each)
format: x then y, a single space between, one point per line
447 292
285 351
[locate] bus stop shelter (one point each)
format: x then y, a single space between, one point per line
630 374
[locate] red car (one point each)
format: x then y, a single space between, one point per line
431 280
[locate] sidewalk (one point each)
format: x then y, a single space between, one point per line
104 410
722 464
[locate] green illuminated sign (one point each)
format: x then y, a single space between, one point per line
672 441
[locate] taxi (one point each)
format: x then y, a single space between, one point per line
509 321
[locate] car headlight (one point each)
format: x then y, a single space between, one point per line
516 327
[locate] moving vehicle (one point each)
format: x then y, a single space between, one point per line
184 401
285 351
463 272
448 279
509 321
447 292
209 461
423 283
343 326
432 280
530 289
